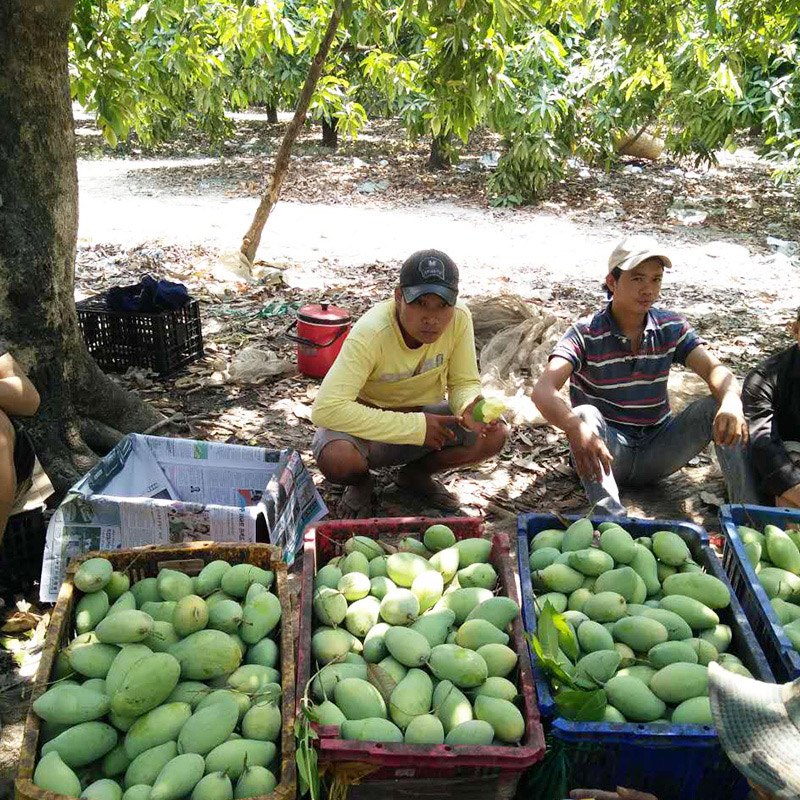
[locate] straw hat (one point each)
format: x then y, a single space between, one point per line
759 727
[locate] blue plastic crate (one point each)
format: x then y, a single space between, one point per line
677 762
782 657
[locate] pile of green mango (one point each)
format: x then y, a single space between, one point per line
170 690
775 556
413 643
644 615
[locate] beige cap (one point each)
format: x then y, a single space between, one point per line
632 250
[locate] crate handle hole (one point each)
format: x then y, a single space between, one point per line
448 748
640 727
379 746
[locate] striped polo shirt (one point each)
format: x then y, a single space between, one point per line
628 389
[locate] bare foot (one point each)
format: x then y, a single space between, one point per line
356 501
427 486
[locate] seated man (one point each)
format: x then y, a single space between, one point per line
18 398
383 401
620 428
771 397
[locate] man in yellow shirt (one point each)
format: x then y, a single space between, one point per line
383 404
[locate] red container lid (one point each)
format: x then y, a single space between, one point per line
324 314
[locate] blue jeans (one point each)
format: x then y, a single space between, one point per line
646 457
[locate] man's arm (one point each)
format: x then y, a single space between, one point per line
18 396
730 426
463 377
777 473
591 455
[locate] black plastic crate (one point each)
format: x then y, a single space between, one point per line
164 341
22 551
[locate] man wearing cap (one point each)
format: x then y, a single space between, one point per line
771 398
383 403
620 428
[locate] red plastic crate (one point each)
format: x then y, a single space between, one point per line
433 771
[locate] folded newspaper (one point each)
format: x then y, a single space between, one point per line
155 490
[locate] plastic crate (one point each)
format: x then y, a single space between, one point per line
22 551
139 563
782 657
435 772
676 762
164 341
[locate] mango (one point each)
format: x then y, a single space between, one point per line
330 606
475 633
359 699
402 568
328 713
262 722
547 538
464 668
539 559
786 612
210 577
500 660
206 654
481 575
474 732
377 567
627 656
93 575
235 755
640 633
410 698
594 669
593 637
240 577
737 669
694 711
209 727
353 586
619 544
578 536
410 544
53 775
605 607
428 588
393 668
709 590
191 692
463 601
500 611
664 571
434 626
178 778
115 761
782 551
438 537
407 646
190 616
93 660
575 618
646 566
639 671
161 724
214 786
255 782
623 581
324 683
590 561
399 607
473 551
371 730
445 562
366 546
556 599
424 729
380 586
451 705
173 585
720 636
779 583
83 743
610 714
677 627
635 701
559 578
162 637
252 679
125 627
125 602
670 653
328 576
145 768
90 610
103 789
225 616
225 696
495 686
69 704
374 644
504 717
670 548
146 684
678 682
696 615
705 651
139 791
265 652
161 610
579 598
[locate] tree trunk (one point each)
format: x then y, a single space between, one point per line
439 157
38 231
252 238
330 137
272 113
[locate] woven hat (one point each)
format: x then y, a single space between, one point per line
758 725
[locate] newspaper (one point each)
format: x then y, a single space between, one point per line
154 490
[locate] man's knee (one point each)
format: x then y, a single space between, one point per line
494 441
341 462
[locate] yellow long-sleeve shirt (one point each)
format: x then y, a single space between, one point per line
377 366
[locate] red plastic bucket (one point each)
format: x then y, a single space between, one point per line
321 331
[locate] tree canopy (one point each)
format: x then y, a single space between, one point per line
557 80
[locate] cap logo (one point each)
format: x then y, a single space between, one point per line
431 268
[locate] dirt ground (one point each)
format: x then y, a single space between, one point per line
347 219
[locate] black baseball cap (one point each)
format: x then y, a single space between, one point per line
429 272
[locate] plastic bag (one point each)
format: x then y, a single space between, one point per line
252 365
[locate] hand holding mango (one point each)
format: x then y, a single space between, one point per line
483 412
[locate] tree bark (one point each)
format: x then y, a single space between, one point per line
38 232
330 136
252 238
439 157
272 114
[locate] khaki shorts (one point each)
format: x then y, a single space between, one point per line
384 454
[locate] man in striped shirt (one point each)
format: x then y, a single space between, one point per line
620 428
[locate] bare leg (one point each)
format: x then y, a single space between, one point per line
341 462
417 476
8 473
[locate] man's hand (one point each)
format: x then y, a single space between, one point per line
592 458
439 430
790 498
466 420
730 426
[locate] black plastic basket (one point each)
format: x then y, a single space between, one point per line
22 551
164 341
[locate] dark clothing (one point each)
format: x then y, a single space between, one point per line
24 458
771 399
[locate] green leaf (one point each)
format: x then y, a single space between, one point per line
580 705
547 631
566 638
